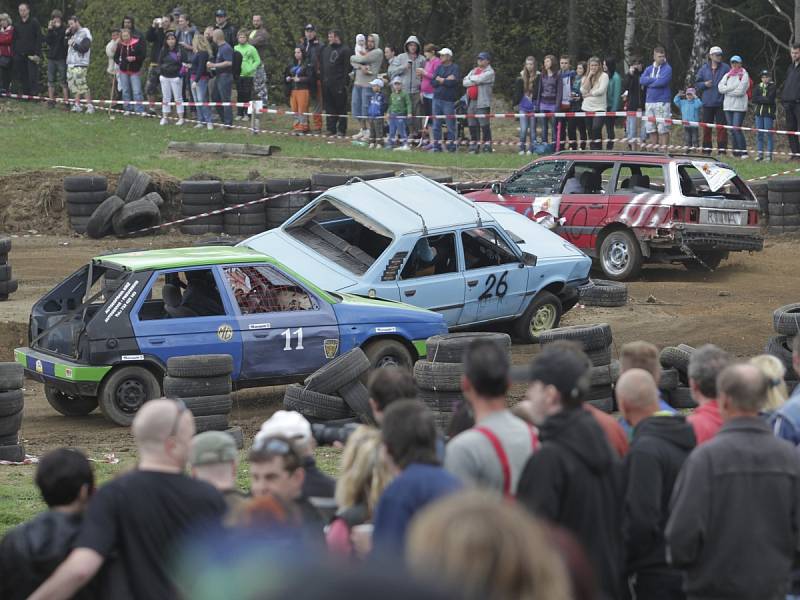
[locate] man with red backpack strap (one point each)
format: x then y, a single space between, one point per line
492 454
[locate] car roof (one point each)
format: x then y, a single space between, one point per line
613 156
195 256
401 204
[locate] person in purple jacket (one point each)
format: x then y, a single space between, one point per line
656 81
706 83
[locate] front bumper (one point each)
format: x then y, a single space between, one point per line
65 375
569 296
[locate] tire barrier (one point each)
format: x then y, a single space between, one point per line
674 384
8 285
12 377
786 323
84 194
200 197
783 205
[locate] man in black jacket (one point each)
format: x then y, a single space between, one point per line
56 39
27 50
661 443
575 479
791 100
155 37
735 522
312 49
31 552
334 65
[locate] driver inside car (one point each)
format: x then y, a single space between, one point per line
201 294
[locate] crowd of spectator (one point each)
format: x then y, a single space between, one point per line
651 504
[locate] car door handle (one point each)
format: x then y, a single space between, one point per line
596 205
261 335
156 341
472 283
410 293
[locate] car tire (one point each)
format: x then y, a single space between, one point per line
784 184
356 396
600 357
315 404
124 391
780 346
138 187
214 200
155 198
11 402
282 186
201 365
542 315
237 435
203 406
605 404
619 255
446 402
85 183
5 272
82 210
711 260
210 423
604 293
243 187
101 222
135 216
676 358
681 398
591 337
438 376
386 353
258 205
605 374
79 224
670 379
12 375
235 218
5 244
450 347
337 373
191 387
15 453
8 287
194 229
69 406
201 187
10 424
192 210
125 180
328 180
11 439
786 319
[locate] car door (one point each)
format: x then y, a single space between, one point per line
495 278
584 203
286 330
205 328
540 179
431 277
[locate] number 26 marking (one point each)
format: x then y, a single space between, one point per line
287 333
499 290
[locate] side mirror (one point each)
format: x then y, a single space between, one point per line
529 260
497 188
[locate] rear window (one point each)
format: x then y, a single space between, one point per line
695 185
349 241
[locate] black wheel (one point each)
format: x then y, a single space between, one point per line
192 228
601 292
438 376
155 198
681 398
11 402
211 423
605 374
85 183
101 222
388 353
124 392
450 347
125 180
543 313
210 201
235 218
8 287
134 216
676 358
15 453
281 186
315 404
10 424
243 187
203 406
356 396
591 337
711 260
669 380
333 376
138 187
191 210
201 365
180 387
786 319
5 244
67 405
620 255
82 210
605 404
208 186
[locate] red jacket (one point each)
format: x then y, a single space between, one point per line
614 432
6 39
706 421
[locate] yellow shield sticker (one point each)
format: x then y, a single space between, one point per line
225 333
331 347
39 367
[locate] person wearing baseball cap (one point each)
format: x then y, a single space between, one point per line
574 480
445 82
764 99
479 83
312 48
213 458
690 107
221 20
706 85
734 86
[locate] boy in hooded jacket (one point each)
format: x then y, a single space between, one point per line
375 112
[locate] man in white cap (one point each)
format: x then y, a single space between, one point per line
296 428
706 84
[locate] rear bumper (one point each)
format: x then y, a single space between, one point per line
68 376
726 238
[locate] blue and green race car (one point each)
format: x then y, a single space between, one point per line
104 334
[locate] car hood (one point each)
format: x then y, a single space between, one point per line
354 308
301 259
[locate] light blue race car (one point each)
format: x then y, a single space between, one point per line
411 239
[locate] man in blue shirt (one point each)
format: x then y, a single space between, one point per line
223 76
656 81
446 82
786 421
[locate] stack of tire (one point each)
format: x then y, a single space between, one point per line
595 340
438 375
203 382
786 322
12 378
8 285
129 210
334 392
674 384
603 293
84 193
784 205
245 220
760 190
198 198
281 208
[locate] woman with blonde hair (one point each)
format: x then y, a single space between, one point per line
365 474
594 87
199 76
480 547
777 391
524 98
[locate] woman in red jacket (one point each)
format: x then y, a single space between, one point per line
6 39
129 56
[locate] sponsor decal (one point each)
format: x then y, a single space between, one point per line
38 366
225 333
331 347
259 326
385 329
129 357
68 373
121 301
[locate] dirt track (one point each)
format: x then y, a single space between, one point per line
731 307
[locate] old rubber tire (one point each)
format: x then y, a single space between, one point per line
134 216
126 180
542 315
9 440
8 287
681 398
210 423
192 210
83 210
450 347
244 231
388 353
356 396
155 198
235 218
786 319
328 180
783 184
193 229
441 401
138 187
590 337
180 387
438 376
780 346
237 435
619 255
12 376
5 272
10 424
69 406
201 365
11 402
605 374
600 357
92 198
203 406
333 376
243 187
315 404
675 357
214 200
281 186
670 379
208 186
124 391
604 293
596 392
15 453
101 222
85 183
79 224
5 244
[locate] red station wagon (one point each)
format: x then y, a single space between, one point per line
628 208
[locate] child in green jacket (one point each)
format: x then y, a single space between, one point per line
250 62
399 115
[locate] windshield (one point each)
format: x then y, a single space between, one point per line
346 239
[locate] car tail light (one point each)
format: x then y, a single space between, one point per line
752 217
684 214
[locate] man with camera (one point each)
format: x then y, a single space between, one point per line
56 58
155 37
79 53
27 50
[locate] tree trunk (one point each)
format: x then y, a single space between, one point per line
573 41
630 30
664 25
480 26
796 21
702 38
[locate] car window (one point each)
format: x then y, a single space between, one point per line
695 185
432 255
483 247
262 289
588 178
181 294
640 179
540 178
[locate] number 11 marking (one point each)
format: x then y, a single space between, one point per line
287 333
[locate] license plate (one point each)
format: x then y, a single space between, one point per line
725 217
